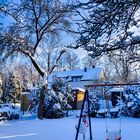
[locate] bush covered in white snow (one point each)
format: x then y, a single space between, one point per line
131 101
94 105
9 111
13 88
56 99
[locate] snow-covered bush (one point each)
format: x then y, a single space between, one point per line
94 105
13 88
56 99
131 101
9 111
34 98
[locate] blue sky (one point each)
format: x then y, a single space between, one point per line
66 39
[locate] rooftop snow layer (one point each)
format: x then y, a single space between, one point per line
89 74
77 88
92 74
117 89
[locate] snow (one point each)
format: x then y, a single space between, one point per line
82 128
117 89
105 104
102 111
136 38
25 93
78 88
6 109
113 135
56 106
9 109
90 74
33 88
64 129
115 109
129 104
45 81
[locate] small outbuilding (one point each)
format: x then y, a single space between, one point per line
78 98
116 94
25 102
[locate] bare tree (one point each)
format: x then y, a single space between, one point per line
28 73
46 56
124 64
104 26
69 61
89 62
3 5
4 12
73 60
35 20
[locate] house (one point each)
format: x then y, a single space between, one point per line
80 77
77 78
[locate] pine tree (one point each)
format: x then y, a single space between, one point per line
14 88
131 102
56 99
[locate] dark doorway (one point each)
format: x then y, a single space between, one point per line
115 97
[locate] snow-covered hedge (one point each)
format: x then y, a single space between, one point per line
131 101
9 111
94 105
56 99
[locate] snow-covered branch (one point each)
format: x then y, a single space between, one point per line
102 21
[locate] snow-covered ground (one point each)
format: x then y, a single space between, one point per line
64 129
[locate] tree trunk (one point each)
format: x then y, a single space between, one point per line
40 110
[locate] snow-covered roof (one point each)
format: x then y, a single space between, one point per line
92 74
24 93
117 89
89 74
76 72
33 88
77 88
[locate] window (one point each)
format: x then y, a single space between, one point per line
76 79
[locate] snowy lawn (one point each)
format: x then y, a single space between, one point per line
64 129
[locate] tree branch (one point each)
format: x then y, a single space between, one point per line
56 62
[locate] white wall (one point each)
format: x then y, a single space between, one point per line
81 84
